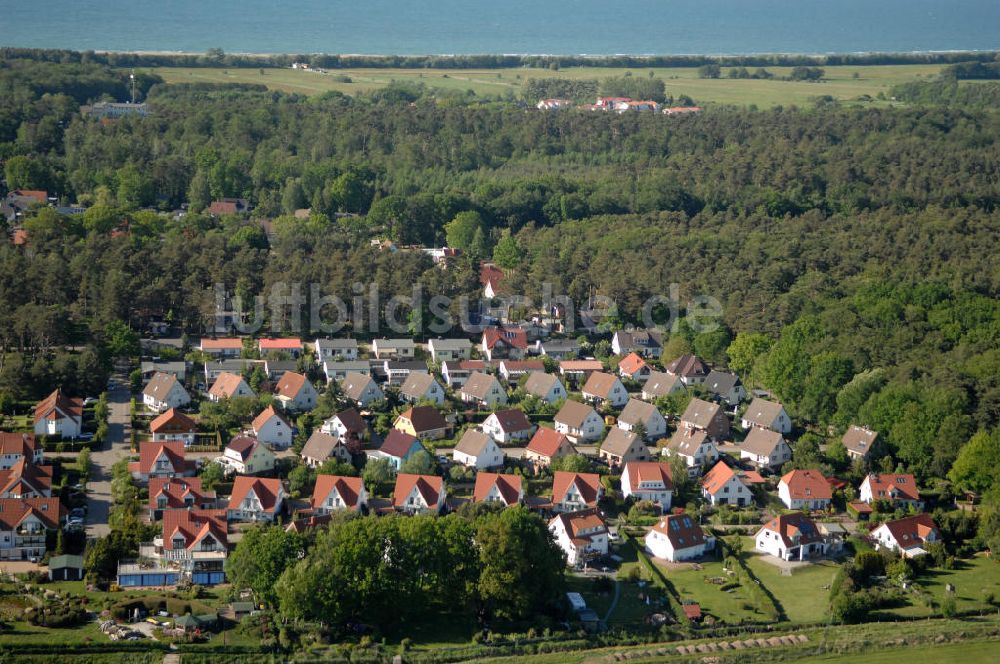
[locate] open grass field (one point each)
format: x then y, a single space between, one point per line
982 652
727 606
972 579
803 594
844 83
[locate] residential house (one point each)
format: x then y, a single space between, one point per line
694 446
545 386
337 371
222 348
419 493
512 370
26 480
161 459
896 489
660 384
604 387
508 426
500 488
178 493
15 447
150 369
59 416
455 374
361 389
575 491
859 441
24 523
805 489
336 350
248 456
424 422
547 445
483 390
164 392
689 368
397 447
647 343
397 371
677 537
225 206
275 370
490 276
582 535
449 349
765 414
271 428
726 386
907 535
295 393
634 367
291 346
558 349
793 536
347 424
238 366
639 412
621 446
229 386
338 492
322 446
422 387
706 416
724 486
477 450
765 449
256 499
579 422
504 343
174 425
648 480
579 370
393 349
192 548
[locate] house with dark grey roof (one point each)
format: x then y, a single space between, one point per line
726 386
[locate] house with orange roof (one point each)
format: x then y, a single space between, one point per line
498 488
272 428
229 386
581 535
291 346
634 367
677 537
603 388
59 415
26 480
897 489
255 499
793 536
724 486
500 343
17 446
178 493
648 480
295 393
907 535
546 445
24 523
174 425
338 492
419 493
575 491
805 489
192 548
161 459
229 347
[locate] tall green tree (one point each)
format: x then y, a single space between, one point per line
260 558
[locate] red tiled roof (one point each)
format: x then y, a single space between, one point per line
632 364
349 489
176 489
429 486
149 452
884 485
787 526
26 478
588 484
807 485
509 487
58 406
510 336
716 478
546 442
264 417
290 385
225 385
682 530
266 489
13 511
230 343
172 422
280 344
37 194
193 525
649 471
17 443
911 530
581 365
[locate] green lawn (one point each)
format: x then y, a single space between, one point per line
972 579
840 81
981 652
726 606
804 594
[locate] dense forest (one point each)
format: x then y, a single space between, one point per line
853 250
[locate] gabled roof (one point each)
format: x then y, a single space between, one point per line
618 441
546 442
290 385
225 385
588 484
265 489
176 490
911 530
479 385
660 384
807 485
424 418
17 443
574 523
580 365
320 446
58 406
889 484
173 421
794 525
716 478
13 511
721 382
355 384
636 411
859 440
265 417
522 366
682 531
513 337
393 343
631 364
700 413
352 421
349 489
397 443
149 452
280 344
687 441
649 471
512 420
688 366
761 442
193 526
473 443
509 487
26 478
639 338
574 413
160 385
243 445
540 383
417 384
762 413
600 384
429 486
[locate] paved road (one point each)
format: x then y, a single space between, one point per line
113 450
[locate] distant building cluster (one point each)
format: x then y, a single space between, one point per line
616 105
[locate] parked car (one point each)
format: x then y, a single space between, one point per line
90 401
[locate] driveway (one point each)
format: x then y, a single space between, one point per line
113 450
